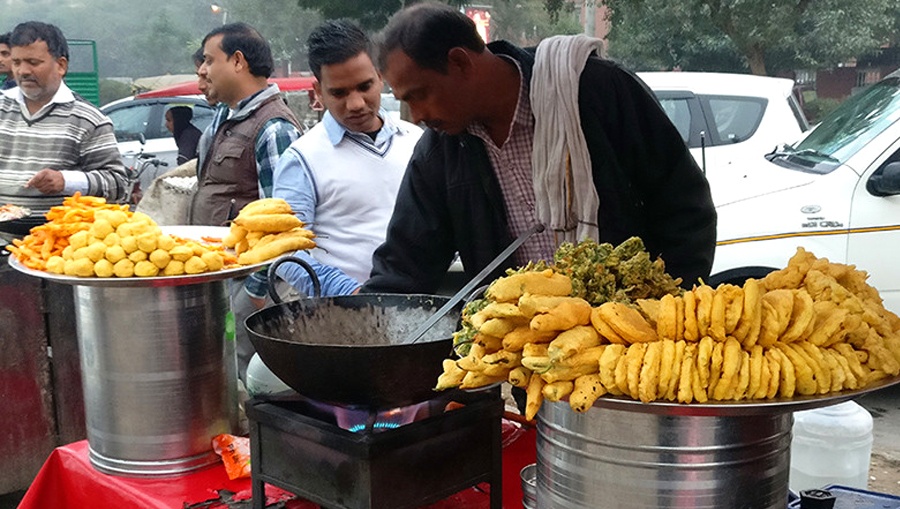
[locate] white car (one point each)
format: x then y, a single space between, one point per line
836 193
727 118
134 118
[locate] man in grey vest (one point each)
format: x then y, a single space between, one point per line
251 129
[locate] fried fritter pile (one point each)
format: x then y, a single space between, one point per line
266 228
87 237
812 328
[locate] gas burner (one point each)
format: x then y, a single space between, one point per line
398 458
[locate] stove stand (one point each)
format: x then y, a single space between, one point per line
401 468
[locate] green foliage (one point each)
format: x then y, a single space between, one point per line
110 90
760 35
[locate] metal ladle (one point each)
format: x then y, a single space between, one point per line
467 289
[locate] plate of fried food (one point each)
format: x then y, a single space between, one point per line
811 334
87 241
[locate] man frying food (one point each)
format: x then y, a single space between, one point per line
491 163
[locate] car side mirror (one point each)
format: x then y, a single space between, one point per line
886 182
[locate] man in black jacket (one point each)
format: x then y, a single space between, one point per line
469 186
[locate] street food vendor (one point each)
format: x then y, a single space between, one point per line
589 153
52 143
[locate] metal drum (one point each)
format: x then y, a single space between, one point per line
628 457
153 371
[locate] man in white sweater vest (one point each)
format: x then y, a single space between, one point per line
342 177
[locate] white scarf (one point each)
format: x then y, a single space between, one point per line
565 195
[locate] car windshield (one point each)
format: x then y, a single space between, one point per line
845 131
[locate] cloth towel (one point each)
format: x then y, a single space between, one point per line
566 199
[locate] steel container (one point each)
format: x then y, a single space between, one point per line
629 457
154 377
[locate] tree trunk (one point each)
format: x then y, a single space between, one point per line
757 60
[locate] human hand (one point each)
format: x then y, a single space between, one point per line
47 181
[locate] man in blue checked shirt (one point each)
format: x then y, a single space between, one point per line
238 151
250 130
341 178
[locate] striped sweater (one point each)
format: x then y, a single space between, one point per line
72 135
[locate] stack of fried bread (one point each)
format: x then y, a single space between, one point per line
266 228
812 328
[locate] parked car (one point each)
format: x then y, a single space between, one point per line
134 118
144 114
835 192
727 118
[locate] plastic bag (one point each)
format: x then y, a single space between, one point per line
235 453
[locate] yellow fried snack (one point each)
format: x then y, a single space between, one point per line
648 381
499 327
776 315
288 241
115 253
519 377
691 332
195 265
268 223
704 352
650 309
685 385
104 268
145 268
748 326
605 330
496 310
586 390
756 372
677 364
556 391
534 396
173 268
802 317
816 360
123 268
609 360
530 304
703 296
452 376
512 287
628 322
635 361
516 339
236 234
667 354
716 361
566 315
731 364
571 341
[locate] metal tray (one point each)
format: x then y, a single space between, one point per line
740 408
190 232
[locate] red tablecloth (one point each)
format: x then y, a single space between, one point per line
68 481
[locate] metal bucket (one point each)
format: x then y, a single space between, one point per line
615 458
153 372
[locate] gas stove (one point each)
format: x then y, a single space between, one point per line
354 458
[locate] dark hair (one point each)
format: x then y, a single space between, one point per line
427 32
197 57
246 39
30 32
181 118
334 42
4 38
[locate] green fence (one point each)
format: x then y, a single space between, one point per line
83 77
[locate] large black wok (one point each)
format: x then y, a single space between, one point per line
353 350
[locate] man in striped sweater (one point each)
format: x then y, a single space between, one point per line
52 143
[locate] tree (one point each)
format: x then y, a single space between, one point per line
760 35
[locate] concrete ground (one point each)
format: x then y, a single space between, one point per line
884 469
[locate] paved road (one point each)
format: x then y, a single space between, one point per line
884 472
